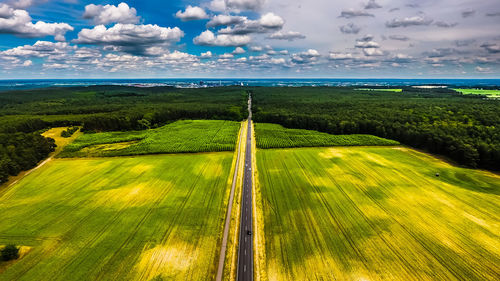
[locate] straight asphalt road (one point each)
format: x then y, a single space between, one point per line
245 250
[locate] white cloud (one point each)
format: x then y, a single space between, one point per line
206 55
271 20
39 49
305 57
111 14
239 51
192 13
340 56
131 38
226 56
18 22
289 35
208 38
491 47
220 20
21 4
267 23
256 48
483 69
27 63
409 21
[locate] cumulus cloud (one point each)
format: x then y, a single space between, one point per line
18 22
399 37
468 13
409 21
340 56
206 55
267 23
445 24
483 69
220 20
305 57
130 38
39 49
100 14
192 13
238 51
208 38
351 13
256 48
350 28
369 52
289 35
245 5
21 4
491 47
366 42
372 4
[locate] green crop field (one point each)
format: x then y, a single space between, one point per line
489 93
276 136
177 137
156 217
372 213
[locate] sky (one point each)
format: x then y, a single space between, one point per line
47 39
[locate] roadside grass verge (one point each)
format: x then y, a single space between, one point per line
178 137
276 136
375 213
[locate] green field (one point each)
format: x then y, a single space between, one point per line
375 214
157 217
177 137
276 136
488 93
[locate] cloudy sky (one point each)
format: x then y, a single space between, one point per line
249 38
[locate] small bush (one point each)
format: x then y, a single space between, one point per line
9 252
69 132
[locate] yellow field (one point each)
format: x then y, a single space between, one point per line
128 218
375 214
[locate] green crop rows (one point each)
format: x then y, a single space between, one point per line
276 136
178 137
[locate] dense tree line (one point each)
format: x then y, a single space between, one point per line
25 113
463 128
22 151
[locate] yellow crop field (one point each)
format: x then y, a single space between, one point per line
129 218
372 213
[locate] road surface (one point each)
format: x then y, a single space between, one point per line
245 249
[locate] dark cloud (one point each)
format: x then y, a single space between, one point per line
289 35
399 37
441 52
445 24
464 43
351 13
495 14
410 21
372 4
491 47
350 28
393 10
468 13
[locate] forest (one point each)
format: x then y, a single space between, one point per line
463 128
25 113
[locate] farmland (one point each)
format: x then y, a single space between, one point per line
142 218
380 89
276 136
372 213
488 93
177 137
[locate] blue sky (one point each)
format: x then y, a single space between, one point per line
249 38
